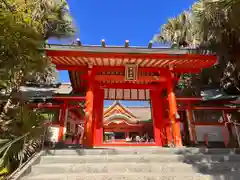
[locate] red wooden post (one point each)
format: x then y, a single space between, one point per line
173 112
167 124
98 117
160 117
191 123
156 113
88 122
62 121
168 132
95 114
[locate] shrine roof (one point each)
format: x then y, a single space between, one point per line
115 49
140 113
78 55
32 92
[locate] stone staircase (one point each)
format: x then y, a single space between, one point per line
137 163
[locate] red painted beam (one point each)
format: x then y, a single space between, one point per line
109 68
122 69
189 98
186 99
122 78
69 98
53 106
162 71
132 86
116 144
216 108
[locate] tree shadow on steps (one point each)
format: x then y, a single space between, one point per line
220 164
78 149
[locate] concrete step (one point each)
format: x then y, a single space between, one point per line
209 168
140 150
132 176
137 158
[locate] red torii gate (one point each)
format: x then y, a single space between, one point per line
95 68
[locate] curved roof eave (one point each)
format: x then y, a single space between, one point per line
117 116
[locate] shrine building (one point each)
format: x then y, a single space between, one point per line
121 122
99 73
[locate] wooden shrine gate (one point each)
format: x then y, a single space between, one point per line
100 72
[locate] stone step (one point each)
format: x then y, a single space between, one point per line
137 158
111 168
210 168
132 176
140 150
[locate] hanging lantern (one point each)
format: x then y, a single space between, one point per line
131 72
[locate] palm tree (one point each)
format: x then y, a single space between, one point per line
177 32
53 16
219 33
210 25
180 32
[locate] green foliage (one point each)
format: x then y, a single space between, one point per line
3 173
20 138
177 31
209 26
19 45
46 76
51 115
24 28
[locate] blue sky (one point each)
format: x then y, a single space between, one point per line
120 20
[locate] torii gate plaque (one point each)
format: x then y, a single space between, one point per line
131 71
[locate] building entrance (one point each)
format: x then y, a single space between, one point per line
121 73
128 122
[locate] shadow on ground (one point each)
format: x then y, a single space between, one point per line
221 164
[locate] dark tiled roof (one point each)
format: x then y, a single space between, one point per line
217 94
44 92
